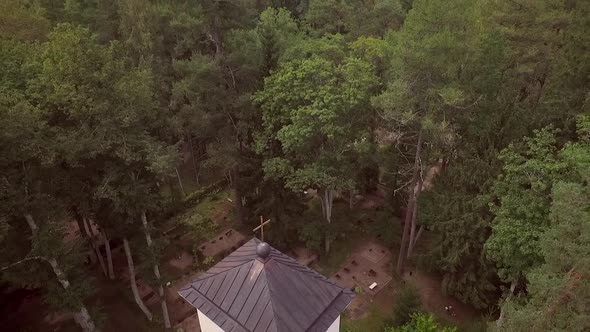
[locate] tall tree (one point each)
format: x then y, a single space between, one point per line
34 180
431 51
558 292
523 204
313 125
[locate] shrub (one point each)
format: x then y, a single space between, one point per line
421 322
408 303
386 227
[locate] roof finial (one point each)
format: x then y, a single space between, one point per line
263 250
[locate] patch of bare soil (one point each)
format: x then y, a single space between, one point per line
433 299
179 309
182 262
222 211
223 244
191 324
368 266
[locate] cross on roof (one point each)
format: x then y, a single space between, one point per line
261 227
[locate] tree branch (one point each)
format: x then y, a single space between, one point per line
2 269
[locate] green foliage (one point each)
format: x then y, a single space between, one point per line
313 233
327 17
102 102
200 226
306 102
203 263
22 21
197 196
558 289
421 323
374 321
384 225
408 303
457 214
522 212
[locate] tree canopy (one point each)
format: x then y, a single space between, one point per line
462 125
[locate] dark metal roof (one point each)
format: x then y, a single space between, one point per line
245 293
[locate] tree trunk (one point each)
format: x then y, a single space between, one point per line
136 295
327 202
82 317
83 232
95 247
107 248
237 197
413 244
180 182
405 235
412 239
500 320
162 298
148 239
409 211
32 224
87 227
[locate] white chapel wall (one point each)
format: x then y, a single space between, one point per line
335 327
208 325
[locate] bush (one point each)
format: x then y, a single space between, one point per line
421 322
201 227
313 234
202 263
386 227
197 196
408 304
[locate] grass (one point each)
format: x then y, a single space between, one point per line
381 225
375 321
208 205
341 249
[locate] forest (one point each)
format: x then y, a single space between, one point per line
463 124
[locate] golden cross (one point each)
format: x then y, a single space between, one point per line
261 228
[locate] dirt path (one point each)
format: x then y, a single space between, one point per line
433 299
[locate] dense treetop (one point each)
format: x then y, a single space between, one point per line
109 109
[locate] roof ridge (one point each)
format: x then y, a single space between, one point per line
308 271
286 269
210 275
270 297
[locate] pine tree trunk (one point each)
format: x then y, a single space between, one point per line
412 239
95 247
405 235
237 197
148 239
82 317
107 248
409 211
180 181
134 289
413 244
